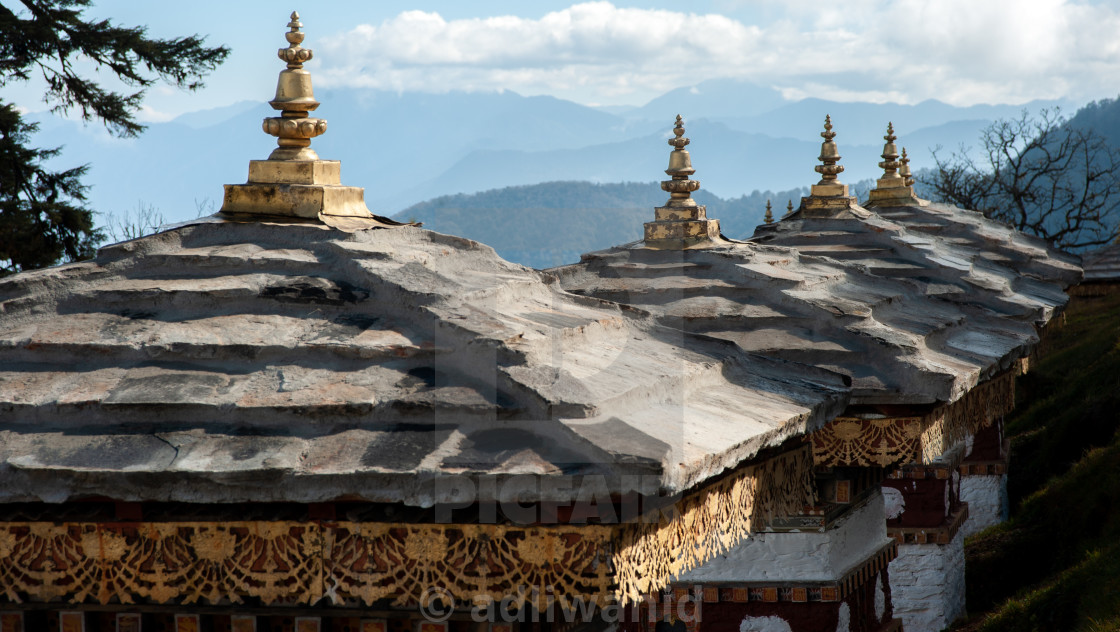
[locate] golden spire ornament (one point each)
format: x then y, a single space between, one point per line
895 188
680 188
789 208
890 163
294 129
904 171
829 196
829 155
294 182
681 223
768 218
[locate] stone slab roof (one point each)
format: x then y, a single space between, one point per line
971 234
1103 265
226 361
958 255
897 315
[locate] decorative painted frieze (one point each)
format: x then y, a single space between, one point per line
303 562
885 441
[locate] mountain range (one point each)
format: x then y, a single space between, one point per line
405 148
553 223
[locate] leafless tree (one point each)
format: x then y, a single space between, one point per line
1040 175
143 220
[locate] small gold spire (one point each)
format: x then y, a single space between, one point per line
890 163
681 223
680 163
294 182
896 187
294 98
829 197
789 209
904 170
829 155
769 217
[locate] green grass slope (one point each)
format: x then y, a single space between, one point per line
1056 564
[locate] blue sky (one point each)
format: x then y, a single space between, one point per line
609 53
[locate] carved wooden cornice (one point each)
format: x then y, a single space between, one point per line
351 563
885 441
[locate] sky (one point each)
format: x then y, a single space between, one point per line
962 52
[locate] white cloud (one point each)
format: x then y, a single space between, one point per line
960 51
149 114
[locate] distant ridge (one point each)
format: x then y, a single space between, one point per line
553 223
408 147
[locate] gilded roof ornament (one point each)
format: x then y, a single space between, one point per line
896 187
789 209
768 218
681 223
294 98
904 170
294 181
680 162
830 155
828 197
890 163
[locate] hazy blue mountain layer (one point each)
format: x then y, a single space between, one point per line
553 223
410 147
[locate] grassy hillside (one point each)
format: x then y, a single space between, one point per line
549 224
1056 564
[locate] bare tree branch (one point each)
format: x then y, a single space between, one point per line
1040 175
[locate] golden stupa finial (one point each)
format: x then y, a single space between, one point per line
294 129
294 54
829 155
681 223
294 181
890 163
769 216
904 170
789 209
894 189
829 197
680 163
680 188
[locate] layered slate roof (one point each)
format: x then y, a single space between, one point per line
897 339
227 361
988 242
912 316
975 263
1103 265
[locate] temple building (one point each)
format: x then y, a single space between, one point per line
296 415
967 261
931 332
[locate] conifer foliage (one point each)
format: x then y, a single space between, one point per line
43 218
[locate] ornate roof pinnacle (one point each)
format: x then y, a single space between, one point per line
294 129
294 182
681 223
680 163
680 188
904 170
769 217
890 163
829 155
894 188
789 209
294 54
829 197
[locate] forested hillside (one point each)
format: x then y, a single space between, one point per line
549 224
